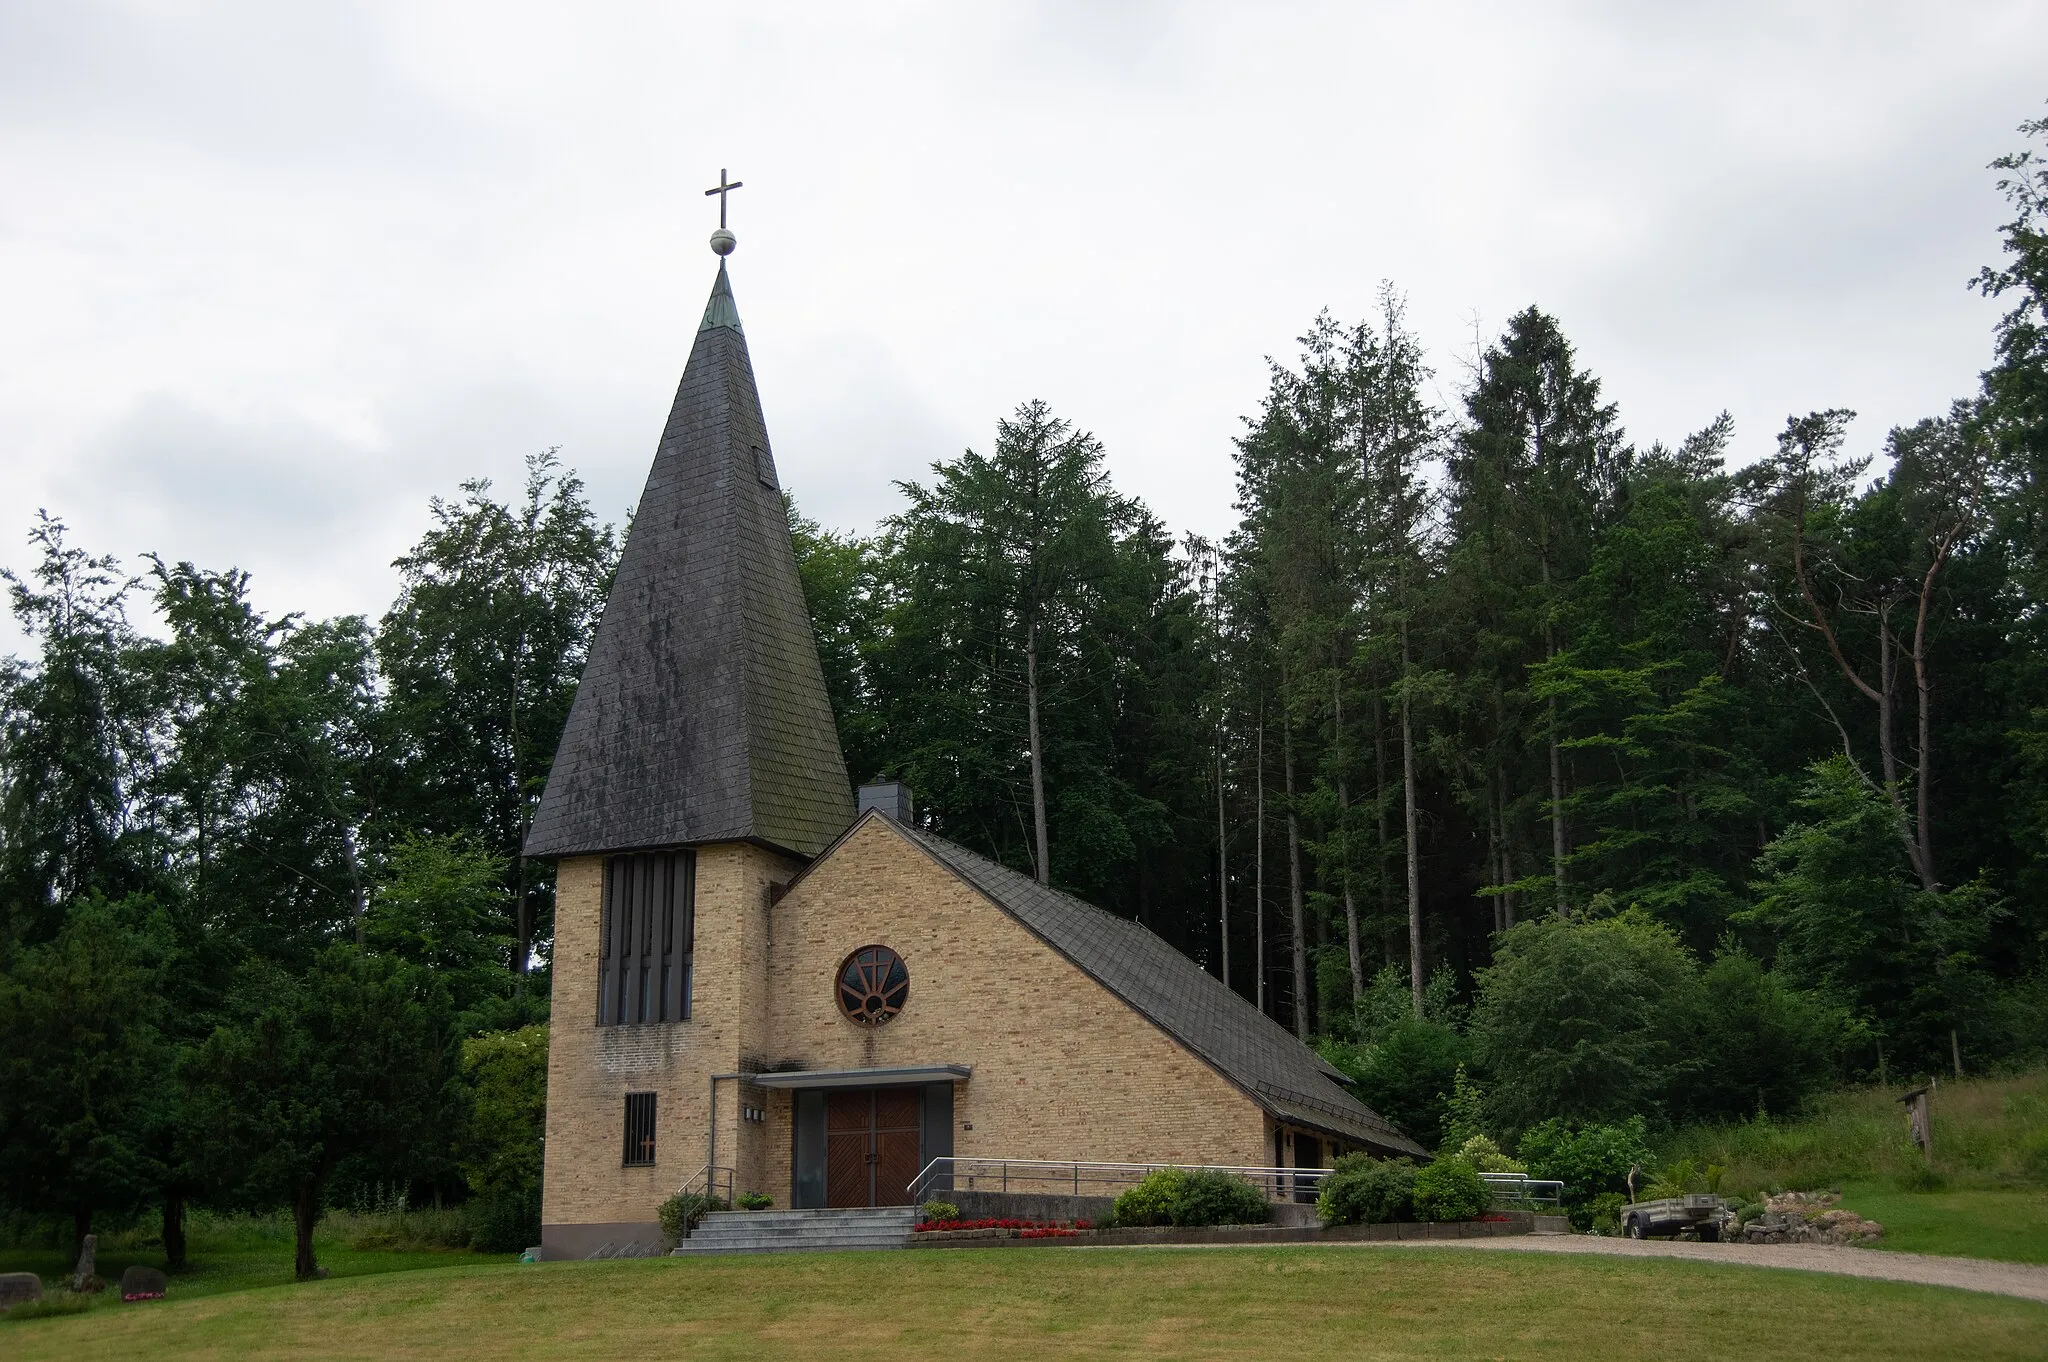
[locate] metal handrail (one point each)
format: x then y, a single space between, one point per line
709 1177
1279 1184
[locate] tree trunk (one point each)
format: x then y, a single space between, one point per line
1222 871
1415 981
305 1215
1556 811
1379 801
174 1230
1915 840
1259 874
522 910
1493 864
359 888
1037 759
1298 926
1344 846
1923 791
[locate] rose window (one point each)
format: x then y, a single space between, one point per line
873 985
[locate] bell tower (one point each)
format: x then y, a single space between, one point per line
700 765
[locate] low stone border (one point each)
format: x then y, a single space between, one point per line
1516 1222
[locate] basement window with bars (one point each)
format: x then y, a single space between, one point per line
646 934
639 1151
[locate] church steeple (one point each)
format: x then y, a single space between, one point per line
721 310
702 715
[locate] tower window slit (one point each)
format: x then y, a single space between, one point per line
645 928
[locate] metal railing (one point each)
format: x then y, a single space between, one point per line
709 1180
1521 1191
1083 1177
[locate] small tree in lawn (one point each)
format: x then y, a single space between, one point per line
507 1076
357 1057
83 1065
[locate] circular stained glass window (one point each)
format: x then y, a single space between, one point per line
873 985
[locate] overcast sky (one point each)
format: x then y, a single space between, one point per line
273 274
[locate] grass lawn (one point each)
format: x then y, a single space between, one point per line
1237 1304
2011 1224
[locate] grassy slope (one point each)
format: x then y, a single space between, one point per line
1989 1198
236 1254
1240 1304
1987 1133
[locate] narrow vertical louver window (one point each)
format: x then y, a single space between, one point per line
639 1151
645 937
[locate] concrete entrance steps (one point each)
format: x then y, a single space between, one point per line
886 1227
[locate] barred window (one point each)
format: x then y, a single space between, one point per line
639 1130
645 938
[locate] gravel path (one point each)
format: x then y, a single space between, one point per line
1969 1274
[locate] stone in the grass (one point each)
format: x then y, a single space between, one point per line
18 1288
141 1283
86 1277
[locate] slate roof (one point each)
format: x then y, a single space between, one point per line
702 715
1240 1042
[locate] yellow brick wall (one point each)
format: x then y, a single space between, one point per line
591 1068
1062 1068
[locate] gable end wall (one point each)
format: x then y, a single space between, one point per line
1063 1069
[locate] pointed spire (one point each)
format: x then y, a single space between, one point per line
702 715
721 310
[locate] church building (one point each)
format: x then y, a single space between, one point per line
758 986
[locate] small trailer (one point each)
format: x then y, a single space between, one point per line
1673 1215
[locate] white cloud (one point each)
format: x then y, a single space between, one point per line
274 274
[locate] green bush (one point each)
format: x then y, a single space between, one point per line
1588 1160
1450 1189
1210 1198
940 1210
1603 1213
1177 1196
685 1209
507 1076
754 1201
1483 1154
1151 1202
505 1222
1406 1073
1589 1020
1362 1190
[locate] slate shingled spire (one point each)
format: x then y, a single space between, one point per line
702 715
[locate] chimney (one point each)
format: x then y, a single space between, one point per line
891 799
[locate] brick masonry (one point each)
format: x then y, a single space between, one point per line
591 1068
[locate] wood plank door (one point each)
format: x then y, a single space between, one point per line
872 1145
849 1137
897 1143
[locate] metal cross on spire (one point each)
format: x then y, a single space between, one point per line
722 190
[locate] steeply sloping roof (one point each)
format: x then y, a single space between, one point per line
1247 1047
702 715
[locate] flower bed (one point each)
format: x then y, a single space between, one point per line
1028 1229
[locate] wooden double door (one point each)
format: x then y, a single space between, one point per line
872 1144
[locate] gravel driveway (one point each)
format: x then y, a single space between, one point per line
1970 1274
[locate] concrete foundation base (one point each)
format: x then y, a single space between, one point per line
618 1239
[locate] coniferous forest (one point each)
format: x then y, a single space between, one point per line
1530 769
